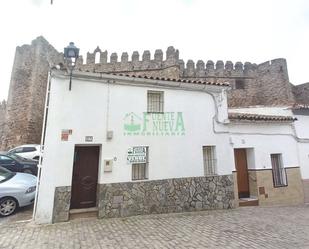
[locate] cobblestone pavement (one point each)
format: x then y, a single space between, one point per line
24 213
249 227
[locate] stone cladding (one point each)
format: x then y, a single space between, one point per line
166 196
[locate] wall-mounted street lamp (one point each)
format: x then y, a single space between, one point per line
71 54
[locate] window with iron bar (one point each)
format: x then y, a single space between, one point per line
210 160
140 170
279 173
155 101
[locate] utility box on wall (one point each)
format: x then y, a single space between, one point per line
108 165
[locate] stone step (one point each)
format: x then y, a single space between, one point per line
248 202
83 213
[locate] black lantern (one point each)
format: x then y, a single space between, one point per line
71 54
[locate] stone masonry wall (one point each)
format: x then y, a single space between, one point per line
165 196
62 201
25 105
263 84
2 117
301 93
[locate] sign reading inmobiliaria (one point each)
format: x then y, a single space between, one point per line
154 124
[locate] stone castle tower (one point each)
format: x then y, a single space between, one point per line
21 117
23 113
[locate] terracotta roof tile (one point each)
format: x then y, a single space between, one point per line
172 79
259 117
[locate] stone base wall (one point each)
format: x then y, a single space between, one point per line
165 196
306 190
62 202
292 194
253 189
236 202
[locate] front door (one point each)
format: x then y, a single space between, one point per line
242 172
85 176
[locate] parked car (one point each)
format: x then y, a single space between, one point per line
16 163
30 151
16 190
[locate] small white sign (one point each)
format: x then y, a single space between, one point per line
89 139
137 155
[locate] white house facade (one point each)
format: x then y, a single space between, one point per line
149 144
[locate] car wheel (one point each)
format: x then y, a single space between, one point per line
8 206
36 158
27 171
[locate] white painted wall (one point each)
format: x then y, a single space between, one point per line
302 126
84 110
302 132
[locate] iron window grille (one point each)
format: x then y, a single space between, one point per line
279 172
210 160
155 101
140 170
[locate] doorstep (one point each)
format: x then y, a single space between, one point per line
83 213
248 202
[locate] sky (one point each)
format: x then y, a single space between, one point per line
238 30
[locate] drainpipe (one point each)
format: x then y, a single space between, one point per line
107 108
47 96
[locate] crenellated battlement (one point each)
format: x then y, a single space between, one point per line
99 61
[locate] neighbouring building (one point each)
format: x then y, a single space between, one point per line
267 156
254 130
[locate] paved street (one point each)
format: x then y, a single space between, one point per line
23 214
249 227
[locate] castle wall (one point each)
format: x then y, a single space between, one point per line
2 117
25 105
259 82
251 84
301 93
274 85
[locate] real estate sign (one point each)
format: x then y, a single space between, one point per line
137 155
154 124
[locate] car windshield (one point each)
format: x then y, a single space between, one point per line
5 174
16 157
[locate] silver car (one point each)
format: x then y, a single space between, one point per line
16 190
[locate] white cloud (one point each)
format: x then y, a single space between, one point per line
238 30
